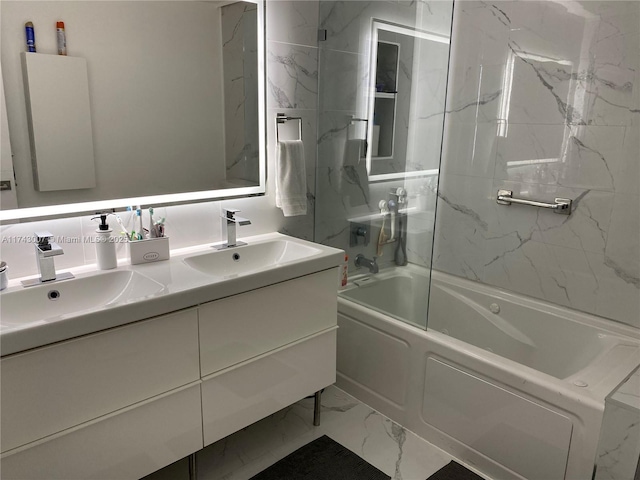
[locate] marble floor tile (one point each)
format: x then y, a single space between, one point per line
383 443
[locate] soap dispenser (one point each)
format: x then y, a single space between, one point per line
105 246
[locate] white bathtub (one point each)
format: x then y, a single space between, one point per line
518 393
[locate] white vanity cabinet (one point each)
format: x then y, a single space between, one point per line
127 444
243 326
127 401
266 349
82 408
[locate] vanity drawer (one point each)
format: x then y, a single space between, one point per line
63 385
246 393
127 444
243 326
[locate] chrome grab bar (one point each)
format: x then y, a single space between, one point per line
561 205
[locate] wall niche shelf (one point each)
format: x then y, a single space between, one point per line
385 105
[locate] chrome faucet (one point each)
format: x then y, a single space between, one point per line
45 251
362 261
230 223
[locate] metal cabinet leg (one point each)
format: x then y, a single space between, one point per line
316 408
193 470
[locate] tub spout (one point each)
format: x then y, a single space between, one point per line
362 261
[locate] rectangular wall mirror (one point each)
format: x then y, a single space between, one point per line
176 93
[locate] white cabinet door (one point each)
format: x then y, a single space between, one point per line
246 393
243 326
47 390
128 444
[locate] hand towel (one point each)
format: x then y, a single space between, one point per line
291 178
354 180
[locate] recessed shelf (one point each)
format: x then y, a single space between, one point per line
384 109
386 95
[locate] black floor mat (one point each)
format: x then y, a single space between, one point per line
454 471
322 459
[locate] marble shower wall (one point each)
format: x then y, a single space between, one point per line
544 100
345 193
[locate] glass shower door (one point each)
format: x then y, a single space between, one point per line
382 86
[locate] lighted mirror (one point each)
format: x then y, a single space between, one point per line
406 107
176 98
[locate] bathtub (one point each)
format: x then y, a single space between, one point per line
511 385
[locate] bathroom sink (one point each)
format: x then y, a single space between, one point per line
95 301
49 301
250 258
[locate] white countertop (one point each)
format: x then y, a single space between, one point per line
183 287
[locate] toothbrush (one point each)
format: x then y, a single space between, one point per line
132 220
139 214
124 230
152 229
159 227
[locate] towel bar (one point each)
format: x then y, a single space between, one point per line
282 118
561 205
352 121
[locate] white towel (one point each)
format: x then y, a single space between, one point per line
354 181
291 178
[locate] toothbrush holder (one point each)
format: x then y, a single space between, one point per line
148 250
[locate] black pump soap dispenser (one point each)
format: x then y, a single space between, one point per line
105 246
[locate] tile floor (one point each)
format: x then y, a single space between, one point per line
383 443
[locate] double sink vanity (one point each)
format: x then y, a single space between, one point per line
116 374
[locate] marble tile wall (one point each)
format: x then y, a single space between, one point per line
619 445
544 100
291 88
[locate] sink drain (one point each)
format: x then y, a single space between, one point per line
53 295
236 257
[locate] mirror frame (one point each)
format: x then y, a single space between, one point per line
395 28
62 210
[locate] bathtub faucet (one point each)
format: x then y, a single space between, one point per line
362 261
